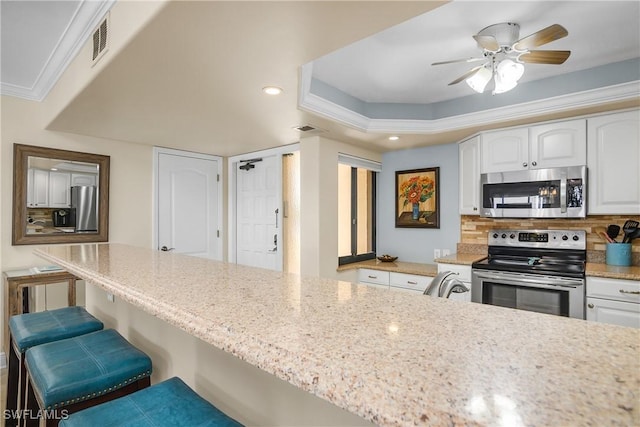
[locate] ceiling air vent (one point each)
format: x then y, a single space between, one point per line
308 129
100 38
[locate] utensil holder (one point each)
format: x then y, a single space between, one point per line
618 254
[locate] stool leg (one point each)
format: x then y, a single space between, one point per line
13 377
31 406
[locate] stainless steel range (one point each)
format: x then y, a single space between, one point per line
535 270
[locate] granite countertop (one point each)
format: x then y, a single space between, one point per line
396 266
612 271
461 258
415 361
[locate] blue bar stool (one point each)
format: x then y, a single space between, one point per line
31 329
73 374
170 403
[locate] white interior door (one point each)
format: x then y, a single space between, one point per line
188 204
259 214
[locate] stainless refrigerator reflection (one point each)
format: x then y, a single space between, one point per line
84 204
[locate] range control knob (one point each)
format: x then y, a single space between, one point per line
495 235
565 237
504 236
512 236
576 238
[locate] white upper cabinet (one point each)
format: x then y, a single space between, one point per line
469 176
550 145
558 144
59 189
505 150
83 179
614 163
38 188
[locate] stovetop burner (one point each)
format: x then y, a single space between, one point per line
553 252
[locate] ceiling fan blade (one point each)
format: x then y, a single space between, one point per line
466 75
487 42
545 56
544 36
453 61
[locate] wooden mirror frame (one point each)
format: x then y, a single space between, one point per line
21 154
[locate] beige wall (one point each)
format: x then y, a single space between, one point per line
319 205
130 198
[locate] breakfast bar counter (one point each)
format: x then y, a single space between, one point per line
392 358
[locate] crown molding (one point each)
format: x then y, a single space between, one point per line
85 19
315 104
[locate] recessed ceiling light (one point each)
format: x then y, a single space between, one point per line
272 90
394 138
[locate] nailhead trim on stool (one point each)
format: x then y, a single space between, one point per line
31 329
170 403
78 369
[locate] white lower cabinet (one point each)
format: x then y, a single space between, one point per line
394 281
376 278
409 282
613 301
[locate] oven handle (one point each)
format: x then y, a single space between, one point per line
563 193
542 280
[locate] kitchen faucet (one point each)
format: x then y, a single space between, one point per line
442 285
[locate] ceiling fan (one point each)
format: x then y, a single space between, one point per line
504 54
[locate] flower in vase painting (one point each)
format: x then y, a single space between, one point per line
417 190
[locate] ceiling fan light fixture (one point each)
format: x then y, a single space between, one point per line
510 71
480 80
502 85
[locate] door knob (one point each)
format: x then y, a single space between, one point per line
166 249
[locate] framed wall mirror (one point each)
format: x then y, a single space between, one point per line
59 196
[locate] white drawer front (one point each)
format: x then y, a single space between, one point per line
409 281
614 289
373 276
463 271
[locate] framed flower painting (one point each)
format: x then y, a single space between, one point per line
418 198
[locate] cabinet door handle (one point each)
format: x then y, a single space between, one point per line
622 291
534 163
372 277
411 282
590 305
524 165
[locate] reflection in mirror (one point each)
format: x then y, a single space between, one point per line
62 196
59 196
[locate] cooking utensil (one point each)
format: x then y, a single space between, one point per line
606 237
633 235
613 231
629 226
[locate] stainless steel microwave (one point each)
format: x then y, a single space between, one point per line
535 193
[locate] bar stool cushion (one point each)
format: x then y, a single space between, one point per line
31 329
84 367
169 403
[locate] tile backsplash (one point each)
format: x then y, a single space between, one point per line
474 230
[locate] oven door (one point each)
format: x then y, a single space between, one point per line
560 296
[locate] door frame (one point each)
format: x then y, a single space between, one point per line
232 163
156 156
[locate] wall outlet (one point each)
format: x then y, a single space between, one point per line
111 298
436 253
446 252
